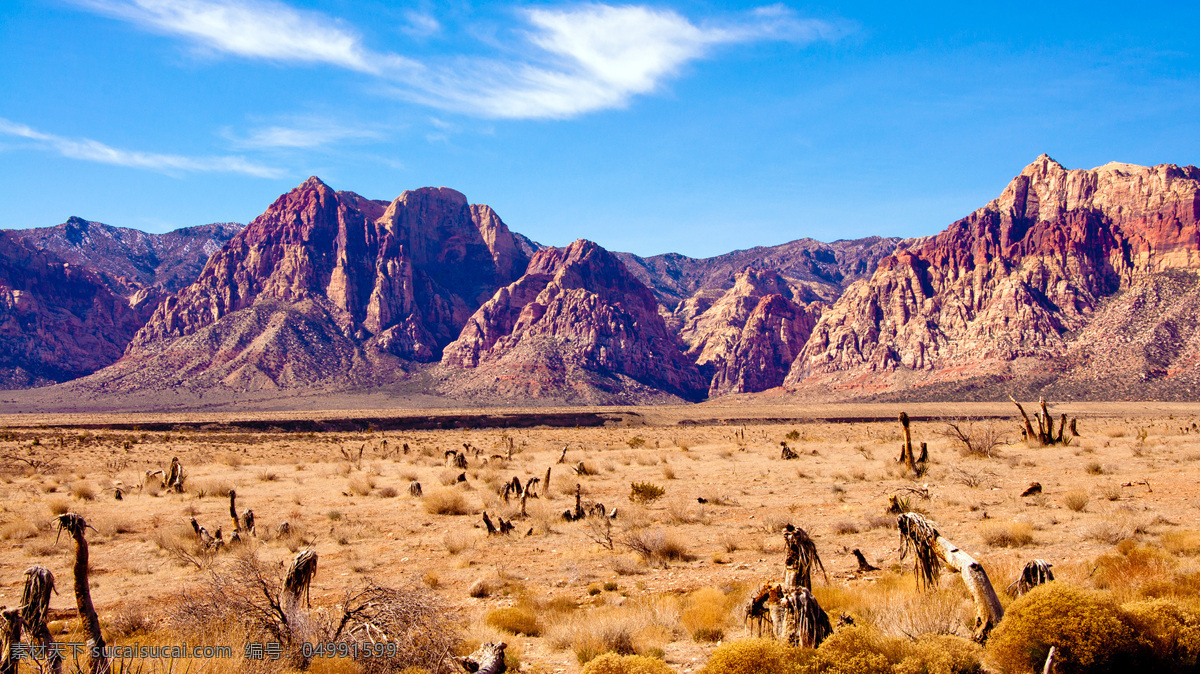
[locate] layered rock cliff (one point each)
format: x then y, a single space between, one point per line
745 340
1018 278
577 325
400 277
58 320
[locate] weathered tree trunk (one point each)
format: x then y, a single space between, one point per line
906 452
296 582
35 603
1051 661
10 638
863 565
414 489
1062 427
77 528
988 611
1028 426
175 476
797 619
546 488
1074 430
237 524
488 659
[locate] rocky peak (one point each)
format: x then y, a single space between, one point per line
577 317
399 277
747 339
1017 278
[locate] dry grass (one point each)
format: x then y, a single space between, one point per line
446 501
1076 500
1008 534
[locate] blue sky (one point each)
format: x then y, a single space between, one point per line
684 126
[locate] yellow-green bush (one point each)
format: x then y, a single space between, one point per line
851 650
1090 631
515 620
1132 564
864 650
705 613
756 656
1168 634
611 663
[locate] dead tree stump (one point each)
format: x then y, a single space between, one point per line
1035 573
175 476
10 639
863 565
296 582
414 489
35 604
488 659
789 609
76 527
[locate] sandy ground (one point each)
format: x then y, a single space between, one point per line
1138 464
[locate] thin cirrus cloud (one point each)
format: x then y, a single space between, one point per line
570 61
303 134
94 151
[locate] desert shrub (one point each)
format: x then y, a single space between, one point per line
975 437
656 546
83 491
1168 634
1186 543
863 650
218 488
611 663
755 656
1089 630
457 541
705 614
1132 564
243 593
1008 534
845 528
645 492
639 627
1076 500
361 484
18 530
445 502
635 442
1094 468
516 620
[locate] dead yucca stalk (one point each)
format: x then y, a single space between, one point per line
35 603
1035 573
931 551
800 559
76 526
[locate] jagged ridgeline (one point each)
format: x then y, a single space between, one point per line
1068 279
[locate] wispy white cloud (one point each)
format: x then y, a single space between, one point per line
569 61
420 24
593 57
254 29
94 151
304 133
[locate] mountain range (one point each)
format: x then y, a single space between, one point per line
1072 283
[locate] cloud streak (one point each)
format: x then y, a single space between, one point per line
567 61
94 151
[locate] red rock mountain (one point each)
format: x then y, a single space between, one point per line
577 325
824 269
746 340
58 321
1001 297
77 293
324 287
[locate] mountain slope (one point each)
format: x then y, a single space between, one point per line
323 278
577 325
1020 278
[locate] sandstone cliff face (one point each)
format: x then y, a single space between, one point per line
746 339
1019 278
398 278
577 324
58 320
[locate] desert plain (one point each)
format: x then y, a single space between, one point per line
668 575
